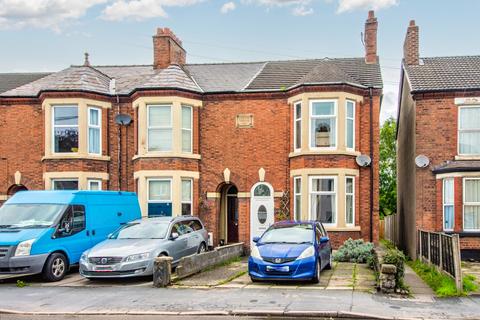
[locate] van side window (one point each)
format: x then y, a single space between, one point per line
73 221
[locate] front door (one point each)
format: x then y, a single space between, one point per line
232 215
261 209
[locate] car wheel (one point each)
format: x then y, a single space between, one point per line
202 248
316 277
330 263
55 268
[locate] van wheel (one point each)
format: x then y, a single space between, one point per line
55 268
316 277
202 248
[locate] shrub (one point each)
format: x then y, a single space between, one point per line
397 258
355 251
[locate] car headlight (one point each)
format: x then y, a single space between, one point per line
255 253
24 248
309 252
84 256
135 257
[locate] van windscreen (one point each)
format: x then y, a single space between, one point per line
29 215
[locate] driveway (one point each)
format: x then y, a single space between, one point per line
472 268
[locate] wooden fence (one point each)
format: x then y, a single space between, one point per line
443 251
389 227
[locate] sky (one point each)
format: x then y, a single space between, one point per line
50 35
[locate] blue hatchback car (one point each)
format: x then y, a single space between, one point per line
291 250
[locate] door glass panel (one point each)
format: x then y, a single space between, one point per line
262 191
262 214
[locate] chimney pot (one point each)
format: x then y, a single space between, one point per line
167 49
370 38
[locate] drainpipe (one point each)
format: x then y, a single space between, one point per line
119 141
370 95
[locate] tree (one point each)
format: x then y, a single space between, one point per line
388 168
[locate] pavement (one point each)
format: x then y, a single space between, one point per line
416 285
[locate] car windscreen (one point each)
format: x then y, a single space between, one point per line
29 215
141 231
291 233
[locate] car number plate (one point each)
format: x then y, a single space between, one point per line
103 269
278 269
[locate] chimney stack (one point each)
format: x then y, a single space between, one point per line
411 50
167 49
370 38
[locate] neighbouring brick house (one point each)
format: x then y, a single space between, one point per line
439 117
239 144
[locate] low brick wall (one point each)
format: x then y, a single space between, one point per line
198 262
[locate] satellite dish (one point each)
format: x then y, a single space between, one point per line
363 160
123 119
422 161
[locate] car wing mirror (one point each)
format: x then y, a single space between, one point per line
256 239
174 236
324 239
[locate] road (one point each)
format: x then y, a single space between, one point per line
145 317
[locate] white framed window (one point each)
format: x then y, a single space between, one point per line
65 128
65 184
159 197
323 199
469 130
187 195
94 130
160 129
471 204
350 201
187 128
297 198
350 124
94 185
323 124
297 126
448 204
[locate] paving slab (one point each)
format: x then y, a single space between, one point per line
415 283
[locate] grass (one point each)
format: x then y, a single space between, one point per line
387 244
443 285
233 277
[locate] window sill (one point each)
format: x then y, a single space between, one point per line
347 229
168 155
460 157
75 156
324 152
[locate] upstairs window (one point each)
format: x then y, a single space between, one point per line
448 204
297 129
65 129
350 125
323 120
94 130
187 129
469 130
160 128
471 204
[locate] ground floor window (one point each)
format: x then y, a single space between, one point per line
65 184
323 199
471 204
95 185
448 204
297 204
159 197
349 201
187 190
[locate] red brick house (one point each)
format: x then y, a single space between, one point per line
439 118
239 144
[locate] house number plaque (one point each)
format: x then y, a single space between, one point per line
244 121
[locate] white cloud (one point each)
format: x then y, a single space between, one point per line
302 11
142 9
51 14
227 7
350 5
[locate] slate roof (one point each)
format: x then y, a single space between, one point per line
457 166
225 77
10 81
445 73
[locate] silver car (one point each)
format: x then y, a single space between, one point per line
131 250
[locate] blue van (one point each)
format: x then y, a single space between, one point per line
47 231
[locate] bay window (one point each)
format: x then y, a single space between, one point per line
469 130
65 184
448 204
349 201
471 204
323 123
159 197
297 195
297 129
94 130
160 128
65 128
187 129
350 125
323 204
94 185
187 190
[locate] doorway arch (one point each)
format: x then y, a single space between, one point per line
14 188
261 209
228 229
